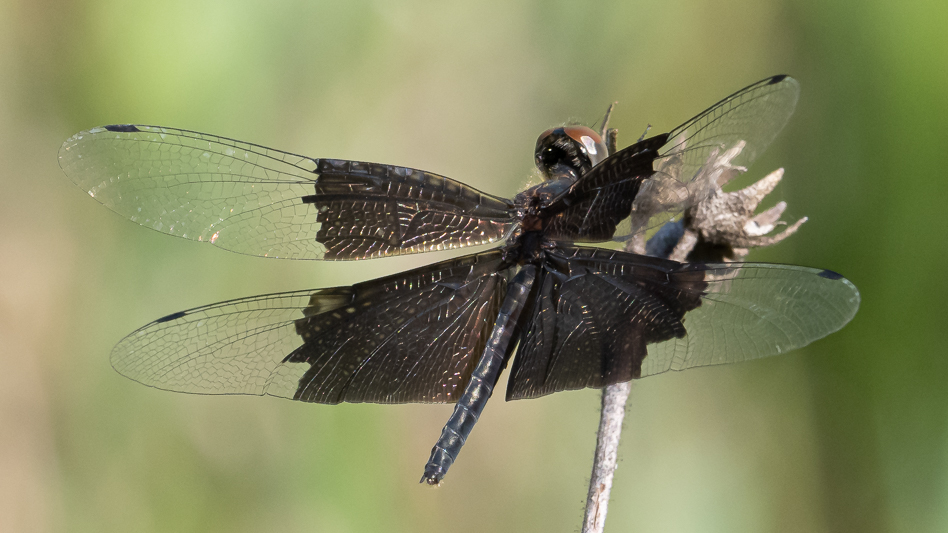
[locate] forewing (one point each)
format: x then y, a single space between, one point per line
651 181
750 119
710 149
412 337
260 201
614 316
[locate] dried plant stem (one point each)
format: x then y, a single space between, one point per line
614 398
725 220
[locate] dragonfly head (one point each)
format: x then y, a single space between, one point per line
568 151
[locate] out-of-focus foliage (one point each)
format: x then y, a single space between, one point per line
850 434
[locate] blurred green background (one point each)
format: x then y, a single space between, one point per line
850 434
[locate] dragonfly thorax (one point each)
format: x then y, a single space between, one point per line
532 206
534 201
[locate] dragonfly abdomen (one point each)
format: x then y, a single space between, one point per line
483 379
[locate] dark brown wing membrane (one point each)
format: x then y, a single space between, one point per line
371 210
603 198
605 317
594 315
663 175
411 337
260 201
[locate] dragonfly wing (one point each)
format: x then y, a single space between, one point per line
649 182
411 337
259 201
606 317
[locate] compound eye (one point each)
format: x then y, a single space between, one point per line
590 141
551 155
590 145
543 138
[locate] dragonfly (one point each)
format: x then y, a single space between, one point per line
569 314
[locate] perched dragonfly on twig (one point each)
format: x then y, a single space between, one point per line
578 316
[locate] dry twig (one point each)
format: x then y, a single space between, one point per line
720 228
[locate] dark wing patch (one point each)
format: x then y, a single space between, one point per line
411 337
685 315
125 128
250 199
371 210
414 337
595 205
594 316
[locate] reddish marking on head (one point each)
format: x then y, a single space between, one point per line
578 132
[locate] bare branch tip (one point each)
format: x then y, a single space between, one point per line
605 120
612 140
794 227
764 186
770 217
